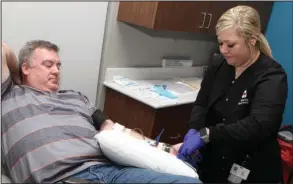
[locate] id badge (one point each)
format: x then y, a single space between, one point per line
238 173
234 179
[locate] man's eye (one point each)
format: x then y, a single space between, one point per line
220 44
230 46
58 66
48 64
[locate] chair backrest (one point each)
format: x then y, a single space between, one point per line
5 178
285 139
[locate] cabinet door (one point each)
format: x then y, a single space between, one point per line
215 12
181 16
264 9
138 13
218 8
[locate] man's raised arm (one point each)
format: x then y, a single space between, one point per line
9 64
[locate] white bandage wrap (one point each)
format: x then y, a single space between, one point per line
126 150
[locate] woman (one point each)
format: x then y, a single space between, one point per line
238 110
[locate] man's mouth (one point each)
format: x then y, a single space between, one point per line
54 81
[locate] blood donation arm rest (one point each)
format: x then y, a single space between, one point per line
124 149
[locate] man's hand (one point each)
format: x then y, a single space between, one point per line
107 125
175 148
192 142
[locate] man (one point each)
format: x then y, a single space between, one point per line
47 134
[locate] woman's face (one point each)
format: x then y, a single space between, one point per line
233 47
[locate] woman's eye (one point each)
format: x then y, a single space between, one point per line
230 46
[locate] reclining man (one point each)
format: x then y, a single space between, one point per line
48 134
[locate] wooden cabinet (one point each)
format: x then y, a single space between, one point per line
188 16
216 10
135 114
169 16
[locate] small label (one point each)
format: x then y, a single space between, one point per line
239 171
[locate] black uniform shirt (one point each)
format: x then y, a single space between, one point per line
243 116
244 110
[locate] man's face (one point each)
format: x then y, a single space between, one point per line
43 71
233 47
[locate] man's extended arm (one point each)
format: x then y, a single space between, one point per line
102 122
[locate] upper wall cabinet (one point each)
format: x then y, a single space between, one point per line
188 16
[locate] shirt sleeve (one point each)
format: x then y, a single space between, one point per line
200 109
90 106
265 114
6 84
98 117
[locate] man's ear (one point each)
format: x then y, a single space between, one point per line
25 68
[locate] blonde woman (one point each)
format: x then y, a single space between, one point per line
239 108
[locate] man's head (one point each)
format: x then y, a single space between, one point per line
40 65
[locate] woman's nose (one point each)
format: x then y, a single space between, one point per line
223 49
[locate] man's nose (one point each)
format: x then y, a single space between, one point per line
55 69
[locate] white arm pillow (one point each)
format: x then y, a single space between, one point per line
126 150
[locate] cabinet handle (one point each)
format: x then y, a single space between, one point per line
209 20
204 18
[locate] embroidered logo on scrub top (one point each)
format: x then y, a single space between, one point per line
244 95
244 99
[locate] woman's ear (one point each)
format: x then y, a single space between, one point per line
252 41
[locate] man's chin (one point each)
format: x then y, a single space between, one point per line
54 87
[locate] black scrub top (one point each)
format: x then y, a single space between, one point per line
244 116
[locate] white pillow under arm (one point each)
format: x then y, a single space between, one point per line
126 150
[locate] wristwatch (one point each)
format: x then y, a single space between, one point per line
204 134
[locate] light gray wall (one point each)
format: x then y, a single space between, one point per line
125 46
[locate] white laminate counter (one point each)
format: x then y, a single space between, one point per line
148 76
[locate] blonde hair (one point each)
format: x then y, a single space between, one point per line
246 20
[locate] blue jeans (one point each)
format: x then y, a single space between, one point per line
111 173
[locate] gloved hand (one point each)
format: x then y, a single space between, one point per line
192 159
192 142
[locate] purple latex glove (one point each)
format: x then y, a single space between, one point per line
192 142
192 159
187 159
